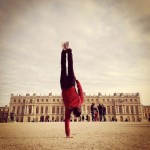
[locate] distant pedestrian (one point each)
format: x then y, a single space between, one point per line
100 109
83 118
95 111
87 118
104 112
92 111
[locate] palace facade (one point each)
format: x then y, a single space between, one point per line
119 106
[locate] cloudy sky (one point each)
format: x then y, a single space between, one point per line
110 41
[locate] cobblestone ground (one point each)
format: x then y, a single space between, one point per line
86 136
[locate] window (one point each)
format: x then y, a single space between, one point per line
113 109
57 109
37 100
132 111
103 100
57 100
136 109
130 100
145 115
19 101
127 109
108 109
87 100
107 100
30 109
22 110
135 100
30 100
13 109
53 100
46 100
18 110
42 100
46 109
42 109
24 100
120 109
53 110
37 109
14 101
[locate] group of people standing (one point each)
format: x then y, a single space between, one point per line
98 110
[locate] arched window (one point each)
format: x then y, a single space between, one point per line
42 109
57 109
128 118
53 110
53 117
18 110
62 109
37 109
46 110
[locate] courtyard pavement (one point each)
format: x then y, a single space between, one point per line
86 136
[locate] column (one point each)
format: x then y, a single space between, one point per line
16 109
124 109
49 109
44 110
118 109
32 109
134 110
129 109
27 110
85 109
82 109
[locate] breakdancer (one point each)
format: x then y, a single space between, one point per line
72 98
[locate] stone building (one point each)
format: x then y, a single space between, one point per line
146 113
28 108
4 113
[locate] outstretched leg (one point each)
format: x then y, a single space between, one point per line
71 77
63 77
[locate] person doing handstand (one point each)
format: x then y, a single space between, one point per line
71 98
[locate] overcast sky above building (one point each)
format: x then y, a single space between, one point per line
110 41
